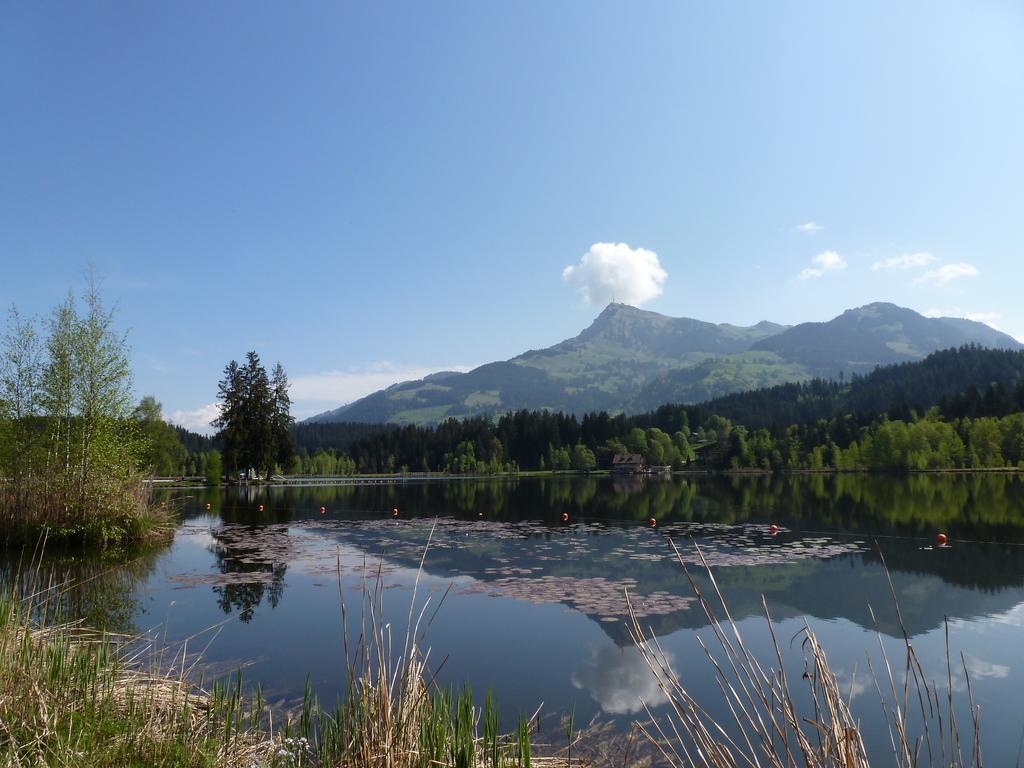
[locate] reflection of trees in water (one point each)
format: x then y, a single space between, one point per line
972 506
967 506
246 596
981 506
990 568
102 592
258 551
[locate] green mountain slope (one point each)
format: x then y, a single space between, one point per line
718 376
603 368
861 339
633 360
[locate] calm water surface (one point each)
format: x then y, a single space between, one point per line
535 608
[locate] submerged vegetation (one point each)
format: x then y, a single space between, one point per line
70 451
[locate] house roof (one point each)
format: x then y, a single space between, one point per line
627 458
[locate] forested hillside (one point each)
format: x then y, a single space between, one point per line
956 408
630 360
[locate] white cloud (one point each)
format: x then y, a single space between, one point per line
991 319
619 680
827 261
947 273
317 392
810 228
614 271
906 261
198 419
339 387
988 318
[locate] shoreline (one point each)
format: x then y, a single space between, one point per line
313 480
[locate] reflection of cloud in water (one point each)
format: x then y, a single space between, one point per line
1013 618
981 668
618 679
200 537
851 684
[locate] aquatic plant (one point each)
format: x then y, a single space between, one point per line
70 696
769 727
393 715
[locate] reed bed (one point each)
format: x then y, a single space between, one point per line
395 716
71 696
774 726
109 510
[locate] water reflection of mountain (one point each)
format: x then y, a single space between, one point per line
930 583
966 580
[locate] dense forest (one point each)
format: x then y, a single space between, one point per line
958 408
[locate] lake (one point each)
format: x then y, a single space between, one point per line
533 573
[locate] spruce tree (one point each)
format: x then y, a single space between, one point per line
254 424
281 418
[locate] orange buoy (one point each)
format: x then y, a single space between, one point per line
394 512
480 514
773 529
565 517
652 522
941 540
207 505
261 507
322 510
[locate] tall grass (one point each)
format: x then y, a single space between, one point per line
70 696
768 726
393 715
113 510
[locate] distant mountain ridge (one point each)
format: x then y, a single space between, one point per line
630 359
860 340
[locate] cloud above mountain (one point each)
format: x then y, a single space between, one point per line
905 261
617 272
947 273
827 261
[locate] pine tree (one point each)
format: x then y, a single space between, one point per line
281 419
254 422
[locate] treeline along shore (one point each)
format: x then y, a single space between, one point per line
958 409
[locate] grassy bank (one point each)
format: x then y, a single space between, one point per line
69 697
109 511
73 697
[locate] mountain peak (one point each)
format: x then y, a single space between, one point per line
609 365
879 308
876 334
615 309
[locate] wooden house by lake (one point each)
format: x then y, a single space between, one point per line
628 463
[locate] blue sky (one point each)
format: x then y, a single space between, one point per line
369 191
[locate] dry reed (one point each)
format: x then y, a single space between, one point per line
768 726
